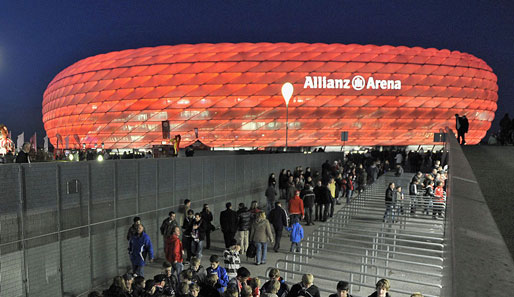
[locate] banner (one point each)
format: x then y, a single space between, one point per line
20 141
45 146
33 142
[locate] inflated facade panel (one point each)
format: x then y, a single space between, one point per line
232 94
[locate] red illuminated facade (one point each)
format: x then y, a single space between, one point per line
232 94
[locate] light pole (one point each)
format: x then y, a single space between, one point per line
287 92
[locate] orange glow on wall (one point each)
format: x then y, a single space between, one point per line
232 93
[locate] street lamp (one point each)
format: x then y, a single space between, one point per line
287 92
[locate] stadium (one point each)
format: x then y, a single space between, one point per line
380 95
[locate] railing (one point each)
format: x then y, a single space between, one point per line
371 251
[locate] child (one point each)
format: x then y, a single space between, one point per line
296 231
232 259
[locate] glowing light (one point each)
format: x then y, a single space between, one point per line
100 158
242 98
287 92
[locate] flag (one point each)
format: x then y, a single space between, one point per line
77 139
46 144
20 141
59 140
33 141
67 141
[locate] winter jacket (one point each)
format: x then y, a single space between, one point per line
271 194
261 231
282 292
439 194
139 247
308 197
322 195
296 206
173 249
299 290
228 220
413 189
232 262
244 219
167 227
222 277
199 275
389 196
278 218
207 220
198 233
296 232
187 226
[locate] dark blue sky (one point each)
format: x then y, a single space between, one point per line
38 39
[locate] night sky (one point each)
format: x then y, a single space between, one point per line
38 39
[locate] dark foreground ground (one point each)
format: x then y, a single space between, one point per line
493 167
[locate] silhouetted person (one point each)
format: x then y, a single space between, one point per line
462 125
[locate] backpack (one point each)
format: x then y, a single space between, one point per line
251 252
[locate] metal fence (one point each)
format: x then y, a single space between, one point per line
63 225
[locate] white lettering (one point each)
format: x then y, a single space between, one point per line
308 82
357 83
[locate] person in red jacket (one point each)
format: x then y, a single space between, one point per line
296 207
439 200
174 251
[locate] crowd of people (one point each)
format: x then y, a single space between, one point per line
294 198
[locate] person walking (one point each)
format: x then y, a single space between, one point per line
168 225
308 198
389 204
296 210
244 222
271 197
278 218
140 247
207 220
261 234
228 222
296 236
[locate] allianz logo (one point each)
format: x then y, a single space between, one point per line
357 83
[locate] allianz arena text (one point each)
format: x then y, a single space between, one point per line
381 95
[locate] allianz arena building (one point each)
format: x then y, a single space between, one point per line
381 95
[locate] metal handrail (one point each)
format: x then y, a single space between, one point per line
439 245
439 286
352 230
393 252
343 253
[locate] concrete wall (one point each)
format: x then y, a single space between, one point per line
477 261
55 243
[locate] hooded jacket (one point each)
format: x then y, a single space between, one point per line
296 206
261 231
244 219
296 232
